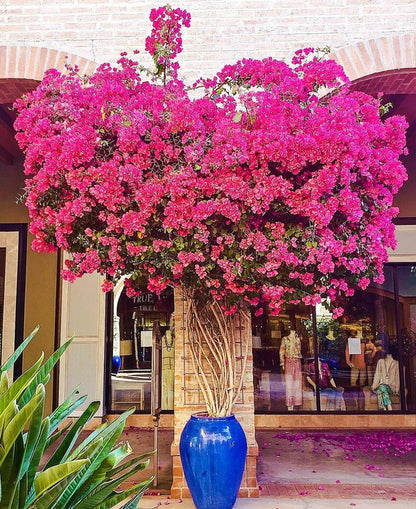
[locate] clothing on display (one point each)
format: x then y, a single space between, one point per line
386 381
387 372
290 355
356 361
327 386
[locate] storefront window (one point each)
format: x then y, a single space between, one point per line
353 346
2 278
406 279
357 365
282 348
141 324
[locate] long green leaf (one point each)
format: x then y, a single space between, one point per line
133 502
16 425
73 491
7 416
100 474
127 464
53 438
119 497
65 409
64 449
32 436
90 451
23 491
44 372
52 475
105 490
79 451
38 452
49 497
16 354
4 382
12 467
17 388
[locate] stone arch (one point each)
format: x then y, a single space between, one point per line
22 67
390 59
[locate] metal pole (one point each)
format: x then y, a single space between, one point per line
156 394
156 448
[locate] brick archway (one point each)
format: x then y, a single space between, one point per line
393 57
22 67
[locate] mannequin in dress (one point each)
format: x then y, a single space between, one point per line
358 375
290 363
356 362
327 385
386 381
329 348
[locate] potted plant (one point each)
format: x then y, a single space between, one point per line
43 464
268 183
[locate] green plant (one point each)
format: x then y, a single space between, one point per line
81 476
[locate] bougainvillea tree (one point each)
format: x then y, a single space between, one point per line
268 183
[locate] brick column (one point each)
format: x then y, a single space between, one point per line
188 400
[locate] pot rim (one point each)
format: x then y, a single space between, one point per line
203 416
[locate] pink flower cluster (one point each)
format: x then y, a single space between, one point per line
259 190
165 41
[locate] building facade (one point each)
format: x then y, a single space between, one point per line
111 357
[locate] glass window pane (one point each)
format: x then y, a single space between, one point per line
331 364
137 320
357 349
406 277
282 348
2 278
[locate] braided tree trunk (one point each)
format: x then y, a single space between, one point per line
213 352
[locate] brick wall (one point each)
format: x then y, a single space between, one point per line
221 31
188 401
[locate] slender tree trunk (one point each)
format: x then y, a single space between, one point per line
212 341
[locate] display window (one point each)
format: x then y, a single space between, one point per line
364 361
2 281
282 345
141 324
406 289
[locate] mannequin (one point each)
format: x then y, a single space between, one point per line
290 355
358 375
386 381
356 362
327 385
330 335
384 339
329 347
369 356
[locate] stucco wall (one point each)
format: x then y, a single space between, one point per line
221 31
40 273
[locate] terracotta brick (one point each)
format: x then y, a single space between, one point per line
253 30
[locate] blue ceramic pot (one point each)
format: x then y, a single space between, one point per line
116 364
213 452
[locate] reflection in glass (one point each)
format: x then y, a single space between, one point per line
356 369
282 345
2 280
406 279
138 322
353 345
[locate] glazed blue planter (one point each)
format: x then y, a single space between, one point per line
115 365
213 452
